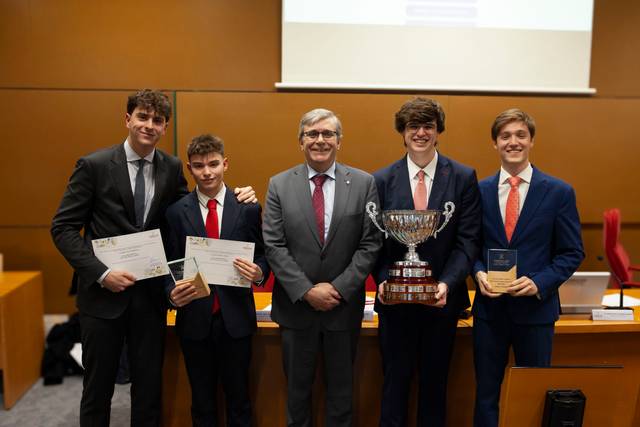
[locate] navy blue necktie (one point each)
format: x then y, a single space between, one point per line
139 194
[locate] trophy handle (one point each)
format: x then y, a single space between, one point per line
372 211
449 209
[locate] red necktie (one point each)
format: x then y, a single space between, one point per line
318 204
420 195
513 207
212 232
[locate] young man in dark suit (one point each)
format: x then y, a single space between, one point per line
101 197
215 332
410 333
535 214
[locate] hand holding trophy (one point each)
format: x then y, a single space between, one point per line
411 281
185 271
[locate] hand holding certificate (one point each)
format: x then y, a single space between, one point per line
216 257
140 254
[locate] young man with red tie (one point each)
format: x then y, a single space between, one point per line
534 214
215 332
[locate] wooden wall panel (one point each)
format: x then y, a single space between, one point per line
194 44
615 63
595 259
589 143
45 132
221 45
261 129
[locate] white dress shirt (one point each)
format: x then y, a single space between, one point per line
504 187
203 200
429 175
329 192
149 183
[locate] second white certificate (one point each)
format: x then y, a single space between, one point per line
215 259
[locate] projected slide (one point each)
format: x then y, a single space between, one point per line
466 45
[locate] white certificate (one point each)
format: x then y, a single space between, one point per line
141 254
215 259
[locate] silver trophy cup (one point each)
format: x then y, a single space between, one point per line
410 281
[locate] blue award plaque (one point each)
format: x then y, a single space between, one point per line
502 268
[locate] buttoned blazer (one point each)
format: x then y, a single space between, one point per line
98 199
452 253
241 222
548 244
299 260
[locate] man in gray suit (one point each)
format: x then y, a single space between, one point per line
321 246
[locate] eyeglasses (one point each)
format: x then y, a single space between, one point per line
314 134
412 127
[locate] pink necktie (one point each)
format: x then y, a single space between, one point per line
318 203
420 195
212 232
513 206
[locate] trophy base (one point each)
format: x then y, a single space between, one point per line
202 288
410 282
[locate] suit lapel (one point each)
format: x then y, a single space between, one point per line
120 174
230 215
192 215
342 190
440 183
400 188
303 192
535 195
161 177
493 210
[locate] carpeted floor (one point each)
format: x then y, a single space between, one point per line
59 406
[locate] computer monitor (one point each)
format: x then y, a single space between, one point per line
583 292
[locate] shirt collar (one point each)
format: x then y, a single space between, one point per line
132 156
525 175
331 172
429 170
204 199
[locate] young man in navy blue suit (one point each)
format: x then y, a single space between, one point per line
215 332
411 333
534 214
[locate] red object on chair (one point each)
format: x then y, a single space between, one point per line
619 264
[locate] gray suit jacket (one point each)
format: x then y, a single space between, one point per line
297 259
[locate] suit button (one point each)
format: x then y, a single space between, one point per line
323 256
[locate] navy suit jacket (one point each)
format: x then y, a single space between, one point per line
240 222
452 253
547 238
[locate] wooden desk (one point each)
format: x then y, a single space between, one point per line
21 332
577 342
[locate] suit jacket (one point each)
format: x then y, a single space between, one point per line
299 260
547 238
240 222
98 199
452 253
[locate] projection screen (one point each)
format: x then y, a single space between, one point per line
541 46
